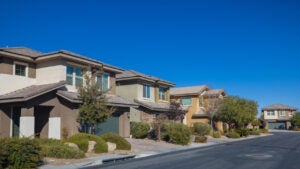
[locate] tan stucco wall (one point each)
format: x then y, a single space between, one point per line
50 71
124 125
5 121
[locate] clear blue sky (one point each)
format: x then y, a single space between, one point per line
250 48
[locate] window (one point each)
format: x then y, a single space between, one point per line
70 75
78 77
270 113
162 93
186 101
103 81
146 91
74 76
281 113
20 69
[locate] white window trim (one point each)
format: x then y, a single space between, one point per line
186 98
145 98
280 113
108 80
20 63
74 74
11 122
166 99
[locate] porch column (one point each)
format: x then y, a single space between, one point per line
27 122
54 128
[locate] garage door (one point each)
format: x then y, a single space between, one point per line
277 125
111 125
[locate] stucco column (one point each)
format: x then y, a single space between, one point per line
27 122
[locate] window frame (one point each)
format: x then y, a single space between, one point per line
161 94
190 98
101 84
281 111
147 92
72 75
23 64
78 77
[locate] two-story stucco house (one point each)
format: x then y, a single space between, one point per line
150 93
278 116
195 99
38 95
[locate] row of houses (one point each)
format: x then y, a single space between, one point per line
38 94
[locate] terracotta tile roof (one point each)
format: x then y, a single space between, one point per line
153 106
112 100
30 92
214 92
192 90
279 107
134 74
22 51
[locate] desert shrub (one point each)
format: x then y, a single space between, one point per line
217 134
233 134
82 141
139 129
243 132
175 133
201 128
254 132
264 131
200 139
20 153
296 129
121 143
57 149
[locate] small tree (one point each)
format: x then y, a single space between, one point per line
94 105
176 112
296 120
212 106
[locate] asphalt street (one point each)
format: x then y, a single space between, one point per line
278 151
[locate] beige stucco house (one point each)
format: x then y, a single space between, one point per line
150 93
38 93
196 99
278 116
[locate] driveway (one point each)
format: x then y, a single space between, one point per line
279 151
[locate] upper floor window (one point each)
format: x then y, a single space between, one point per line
20 69
146 91
187 101
103 81
162 93
270 113
74 74
281 113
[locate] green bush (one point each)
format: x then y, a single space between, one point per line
264 131
175 133
121 143
254 132
233 134
217 134
20 153
139 129
200 139
82 141
57 149
243 132
201 128
3 155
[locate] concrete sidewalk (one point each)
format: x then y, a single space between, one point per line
144 148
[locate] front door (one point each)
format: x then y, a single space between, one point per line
16 114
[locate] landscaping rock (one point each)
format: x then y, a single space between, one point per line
73 145
111 146
91 146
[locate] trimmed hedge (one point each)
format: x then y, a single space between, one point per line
139 129
201 128
254 132
57 149
200 139
82 141
175 133
217 134
120 142
264 131
20 153
243 132
233 134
